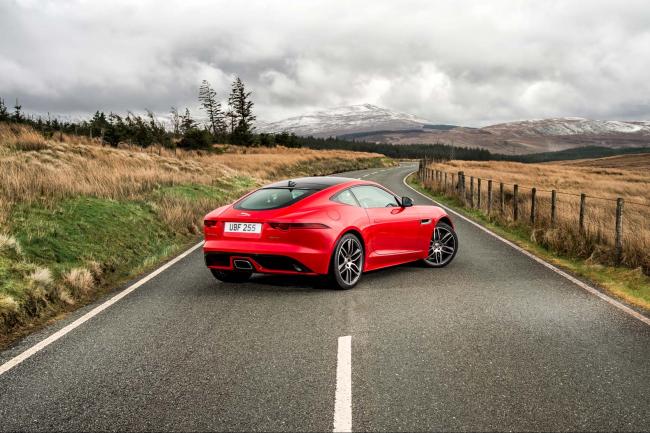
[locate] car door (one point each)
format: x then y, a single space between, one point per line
393 229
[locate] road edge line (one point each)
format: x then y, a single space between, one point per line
16 360
343 397
550 266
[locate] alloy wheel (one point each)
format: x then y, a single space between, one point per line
349 260
442 246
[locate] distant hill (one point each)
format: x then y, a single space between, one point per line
374 124
349 121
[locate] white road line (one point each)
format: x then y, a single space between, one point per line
92 313
555 269
365 175
343 399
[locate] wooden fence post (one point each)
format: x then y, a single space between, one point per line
553 207
489 197
619 230
515 204
583 197
464 185
445 181
471 191
502 198
478 193
533 205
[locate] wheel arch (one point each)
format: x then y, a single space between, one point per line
445 219
355 231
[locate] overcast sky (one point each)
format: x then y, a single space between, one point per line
462 62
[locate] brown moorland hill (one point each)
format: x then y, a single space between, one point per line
639 162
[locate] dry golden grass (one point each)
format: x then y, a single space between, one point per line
602 185
179 187
33 169
635 162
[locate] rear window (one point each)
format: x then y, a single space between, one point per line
273 198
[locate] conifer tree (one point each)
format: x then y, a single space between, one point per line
212 107
17 116
243 117
4 114
187 123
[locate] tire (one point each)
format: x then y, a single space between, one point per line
231 276
442 247
346 266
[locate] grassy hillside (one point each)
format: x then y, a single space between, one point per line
77 217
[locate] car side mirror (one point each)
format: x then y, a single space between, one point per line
407 202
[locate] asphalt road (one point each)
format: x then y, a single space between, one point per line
495 341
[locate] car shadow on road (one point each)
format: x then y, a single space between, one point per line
304 283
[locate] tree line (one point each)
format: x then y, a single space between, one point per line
233 124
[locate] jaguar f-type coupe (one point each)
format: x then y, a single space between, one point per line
333 227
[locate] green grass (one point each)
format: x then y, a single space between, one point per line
333 165
630 285
119 235
194 192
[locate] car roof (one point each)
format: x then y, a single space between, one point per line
314 182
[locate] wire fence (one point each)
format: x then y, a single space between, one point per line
604 230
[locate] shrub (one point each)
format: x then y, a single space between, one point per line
196 139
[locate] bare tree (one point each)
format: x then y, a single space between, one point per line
175 119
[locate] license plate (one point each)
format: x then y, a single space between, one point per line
243 228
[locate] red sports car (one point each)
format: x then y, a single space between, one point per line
328 226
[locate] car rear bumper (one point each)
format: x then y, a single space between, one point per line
266 257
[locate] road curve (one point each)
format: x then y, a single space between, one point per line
495 341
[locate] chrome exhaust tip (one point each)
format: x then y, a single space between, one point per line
242 265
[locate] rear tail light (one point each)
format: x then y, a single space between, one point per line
287 226
209 223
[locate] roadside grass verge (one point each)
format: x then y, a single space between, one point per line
629 285
77 218
584 205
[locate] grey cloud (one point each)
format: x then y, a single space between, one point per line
466 62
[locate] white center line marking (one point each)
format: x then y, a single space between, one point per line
92 313
343 400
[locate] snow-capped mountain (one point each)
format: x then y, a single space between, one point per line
380 125
569 126
345 120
